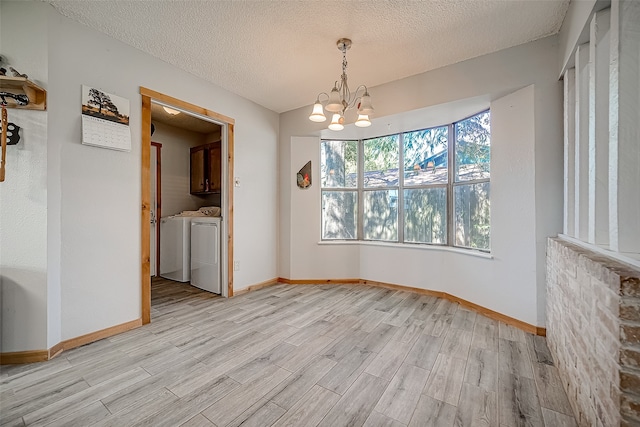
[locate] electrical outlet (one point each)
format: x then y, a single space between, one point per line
237 181
236 265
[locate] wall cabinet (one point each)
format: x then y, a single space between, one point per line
206 169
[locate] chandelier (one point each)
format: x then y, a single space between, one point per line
341 99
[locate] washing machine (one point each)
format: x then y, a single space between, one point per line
205 254
175 245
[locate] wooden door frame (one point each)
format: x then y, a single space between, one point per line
228 122
158 200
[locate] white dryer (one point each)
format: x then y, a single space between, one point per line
205 254
175 244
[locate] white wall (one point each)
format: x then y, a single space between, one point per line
23 194
92 209
526 126
176 165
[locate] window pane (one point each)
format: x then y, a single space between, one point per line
381 215
473 147
339 214
338 164
472 215
425 156
381 160
425 215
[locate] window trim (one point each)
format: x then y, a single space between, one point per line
450 186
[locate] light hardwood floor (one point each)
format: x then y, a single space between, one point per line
327 355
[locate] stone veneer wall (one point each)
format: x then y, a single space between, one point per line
593 332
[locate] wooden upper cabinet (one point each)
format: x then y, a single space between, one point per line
206 165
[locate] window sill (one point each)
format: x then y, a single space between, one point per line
469 252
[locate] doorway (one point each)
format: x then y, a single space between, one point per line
149 99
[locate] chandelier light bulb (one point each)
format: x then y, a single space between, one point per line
336 122
317 115
335 101
365 105
363 121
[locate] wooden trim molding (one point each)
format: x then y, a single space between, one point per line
19 357
532 329
184 105
32 356
257 286
145 215
229 219
101 334
318 281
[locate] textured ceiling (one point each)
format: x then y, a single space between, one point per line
281 54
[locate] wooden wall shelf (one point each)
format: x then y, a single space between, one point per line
20 85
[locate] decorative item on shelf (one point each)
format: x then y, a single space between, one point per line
303 177
16 73
341 99
3 71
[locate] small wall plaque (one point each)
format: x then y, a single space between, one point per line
303 178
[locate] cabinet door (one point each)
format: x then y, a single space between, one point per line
215 162
197 171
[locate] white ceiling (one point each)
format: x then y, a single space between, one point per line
281 54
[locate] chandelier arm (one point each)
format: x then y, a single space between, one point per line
320 94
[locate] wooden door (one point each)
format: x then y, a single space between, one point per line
215 167
197 170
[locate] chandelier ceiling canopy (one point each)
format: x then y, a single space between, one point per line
341 99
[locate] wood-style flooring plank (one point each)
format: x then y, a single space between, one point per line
244 396
401 397
347 370
356 404
513 358
84 398
148 405
261 413
518 403
445 380
424 352
456 343
480 407
289 391
482 369
556 419
390 358
87 416
551 392
433 413
376 419
310 409
198 421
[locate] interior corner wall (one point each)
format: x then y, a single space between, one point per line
310 260
100 191
549 180
23 194
524 128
